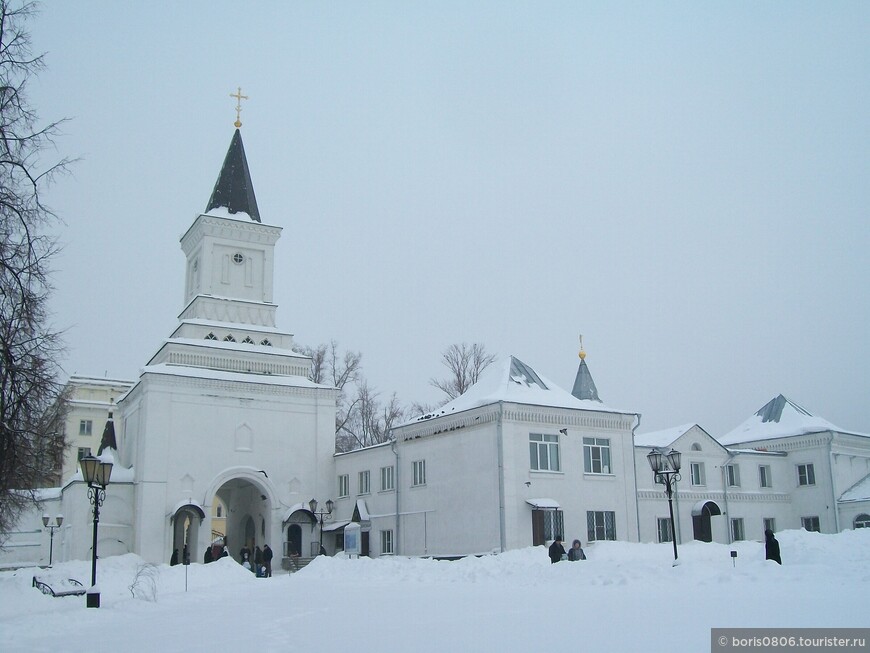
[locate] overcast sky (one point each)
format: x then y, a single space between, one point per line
685 184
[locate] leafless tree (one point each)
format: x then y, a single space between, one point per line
29 349
465 363
368 422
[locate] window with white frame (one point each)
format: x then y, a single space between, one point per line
596 455
84 452
554 523
737 532
544 452
769 524
663 525
364 485
698 475
764 477
86 427
862 521
811 524
732 472
387 478
387 542
343 485
806 475
418 469
600 525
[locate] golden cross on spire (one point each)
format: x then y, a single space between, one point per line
239 97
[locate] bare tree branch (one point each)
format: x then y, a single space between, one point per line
465 364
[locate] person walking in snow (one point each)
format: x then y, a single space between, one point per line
557 551
575 553
267 560
771 547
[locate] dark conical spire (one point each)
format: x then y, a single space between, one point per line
584 386
108 441
234 189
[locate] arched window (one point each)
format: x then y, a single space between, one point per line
248 340
229 338
696 446
220 511
211 336
265 342
862 521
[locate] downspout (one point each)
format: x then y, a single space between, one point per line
398 487
499 438
725 497
831 474
634 469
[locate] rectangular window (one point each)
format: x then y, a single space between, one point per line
811 524
664 529
387 476
84 452
364 482
386 542
86 427
769 524
544 452
343 485
764 478
553 524
737 533
419 469
806 475
596 455
600 525
733 474
698 476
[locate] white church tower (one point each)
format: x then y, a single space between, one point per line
224 409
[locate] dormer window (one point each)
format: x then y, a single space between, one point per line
248 340
265 342
211 336
229 338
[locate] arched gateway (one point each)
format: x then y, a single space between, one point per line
701 526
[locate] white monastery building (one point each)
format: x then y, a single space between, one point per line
224 438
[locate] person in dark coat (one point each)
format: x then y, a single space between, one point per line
771 547
244 553
556 550
267 560
209 556
174 559
258 556
575 553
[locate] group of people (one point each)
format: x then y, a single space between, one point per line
262 565
558 553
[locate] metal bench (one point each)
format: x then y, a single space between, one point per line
77 588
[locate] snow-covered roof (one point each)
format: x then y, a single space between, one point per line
510 380
232 325
544 503
858 492
778 418
221 375
661 438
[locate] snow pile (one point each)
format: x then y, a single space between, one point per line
516 601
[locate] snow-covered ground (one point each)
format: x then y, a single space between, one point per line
625 597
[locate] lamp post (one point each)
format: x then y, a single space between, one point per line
330 504
666 471
96 474
59 520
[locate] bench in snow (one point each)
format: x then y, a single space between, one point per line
71 585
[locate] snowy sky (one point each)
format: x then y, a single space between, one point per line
685 184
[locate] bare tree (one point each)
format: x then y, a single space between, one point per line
368 422
465 364
28 348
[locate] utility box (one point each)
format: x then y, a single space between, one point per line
352 537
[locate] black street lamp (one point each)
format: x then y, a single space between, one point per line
59 520
330 504
667 473
96 474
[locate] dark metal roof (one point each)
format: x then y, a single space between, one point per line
772 410
108 441
584 386
234 189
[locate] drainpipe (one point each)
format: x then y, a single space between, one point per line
833 490
398 486
634 469
725 496
499 438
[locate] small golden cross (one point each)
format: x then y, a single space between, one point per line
239 97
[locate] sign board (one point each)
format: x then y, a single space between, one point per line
352 539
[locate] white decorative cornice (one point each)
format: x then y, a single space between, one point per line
226 228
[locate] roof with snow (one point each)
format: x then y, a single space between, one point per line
779 418
584 386
662 438
511 380
858 492
234 189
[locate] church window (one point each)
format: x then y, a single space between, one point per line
862 521
343 486
219 512
86 427
769 524
811 524
238 258
696 446
764 478
596 455
387 542
387 478
698 475
419 472
248 340
600 525
265 342
544 452
364 482
733 474
664 529
211 336
737 533
229 338
806 475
